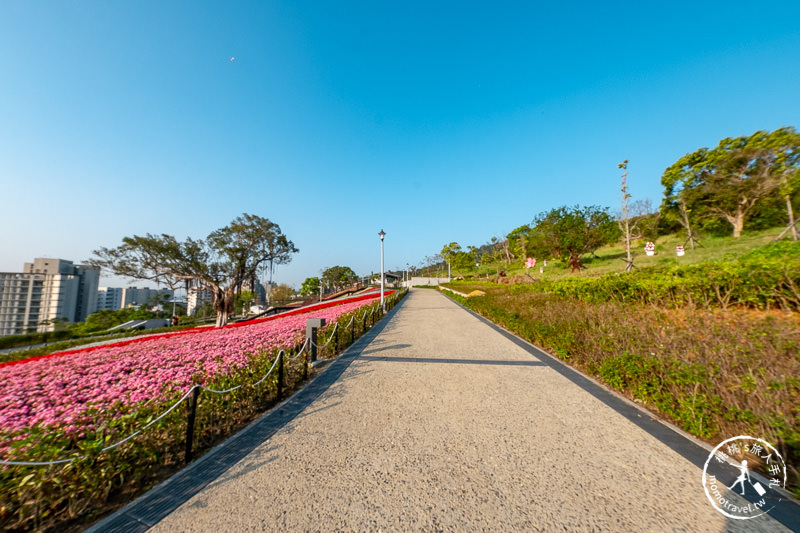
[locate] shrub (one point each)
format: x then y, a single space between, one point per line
713 373
765 278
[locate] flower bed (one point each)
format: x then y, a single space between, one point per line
95 427
301 310
68 392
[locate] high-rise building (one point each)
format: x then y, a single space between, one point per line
135 296
109 298
258 289
46 291
197 298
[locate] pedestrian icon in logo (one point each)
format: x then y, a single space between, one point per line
752 457
743 473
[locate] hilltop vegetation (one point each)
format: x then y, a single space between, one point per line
744 185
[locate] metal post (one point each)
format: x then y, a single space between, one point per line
336 340
190 423
382 234
312 324
280 376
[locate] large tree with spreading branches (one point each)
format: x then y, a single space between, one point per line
220 263
570 232
339 277
730 180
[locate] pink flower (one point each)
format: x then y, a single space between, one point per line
60 392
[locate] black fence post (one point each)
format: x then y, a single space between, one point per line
190 423
336 340
280 375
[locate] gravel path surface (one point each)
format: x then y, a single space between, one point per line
443 424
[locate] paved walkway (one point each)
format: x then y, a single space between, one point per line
436 421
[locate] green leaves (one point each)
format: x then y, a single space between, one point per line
570 232
310 287
728 181
339 277
457 258
221 262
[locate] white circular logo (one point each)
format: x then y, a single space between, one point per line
749 455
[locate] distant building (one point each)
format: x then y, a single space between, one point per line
133 296
258 289
197 298
46 291
109 298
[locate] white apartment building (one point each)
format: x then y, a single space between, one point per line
48 289
109 298
196 299
135 296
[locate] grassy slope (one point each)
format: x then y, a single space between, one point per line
610 258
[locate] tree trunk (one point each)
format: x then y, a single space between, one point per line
735 219
791 218
684 220
628 241
222 318
223 304
738 224
575 262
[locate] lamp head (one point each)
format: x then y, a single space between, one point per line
382 234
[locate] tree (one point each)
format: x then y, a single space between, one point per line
158 303
624 219
282 293
463 261
449 253
729 180
475 252
220 263
786 144
242 302
569 233
519 241
636 220
339 277
790 184
501 250
310 287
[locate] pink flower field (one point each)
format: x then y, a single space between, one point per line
59 392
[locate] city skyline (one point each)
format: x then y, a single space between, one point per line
436 123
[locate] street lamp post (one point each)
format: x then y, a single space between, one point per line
382 234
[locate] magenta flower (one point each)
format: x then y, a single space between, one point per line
59 392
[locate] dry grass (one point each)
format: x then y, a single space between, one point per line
714 373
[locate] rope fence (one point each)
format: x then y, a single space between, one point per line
194 392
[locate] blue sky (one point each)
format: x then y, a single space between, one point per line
435 121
